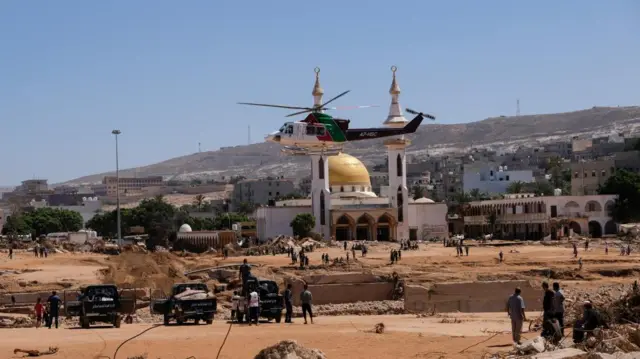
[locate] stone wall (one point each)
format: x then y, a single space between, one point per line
66 295
342 288
469 297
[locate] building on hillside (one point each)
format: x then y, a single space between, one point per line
491 178
344 204
130 184
260 191
34 186
524 216
587 177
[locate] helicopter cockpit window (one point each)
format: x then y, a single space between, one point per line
289 129
320 131
282 129
311 131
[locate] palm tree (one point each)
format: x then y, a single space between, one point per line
516 187
198 201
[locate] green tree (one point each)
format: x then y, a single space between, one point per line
626 185
15 225
46 220
516 187
226 220
198 201
245 208
417 191
302 224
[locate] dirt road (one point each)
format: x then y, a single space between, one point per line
405 337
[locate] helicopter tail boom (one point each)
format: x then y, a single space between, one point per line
358 134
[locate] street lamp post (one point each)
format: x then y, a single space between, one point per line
118 223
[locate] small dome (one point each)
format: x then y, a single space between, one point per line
185 228
424 200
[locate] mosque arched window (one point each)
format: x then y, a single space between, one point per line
321 168
322 217
341 188
399 165
400 202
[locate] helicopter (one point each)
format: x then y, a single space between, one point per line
321 131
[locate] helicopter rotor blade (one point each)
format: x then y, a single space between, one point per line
413 112
339 108
276 106
301 112
335 98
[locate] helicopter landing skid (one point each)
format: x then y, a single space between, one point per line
308 151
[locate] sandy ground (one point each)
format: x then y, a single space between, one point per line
406 336
338 337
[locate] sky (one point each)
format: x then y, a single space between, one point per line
168 74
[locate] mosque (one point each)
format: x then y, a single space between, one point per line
342 201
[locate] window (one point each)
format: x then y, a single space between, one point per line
269 193
277 193
322 216
320 131
399 165
311 131
576 175
603 173
321 168
507 178
593 173
400 202
289 130
585 174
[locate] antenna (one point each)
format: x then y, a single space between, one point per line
199 147
518 108
249 135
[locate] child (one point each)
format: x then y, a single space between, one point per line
39 311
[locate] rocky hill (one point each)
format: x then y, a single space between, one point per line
499 132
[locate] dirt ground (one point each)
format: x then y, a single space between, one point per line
406 336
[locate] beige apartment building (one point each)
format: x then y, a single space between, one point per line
587 177
130 185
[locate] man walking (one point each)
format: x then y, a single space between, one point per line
515 309
548 312
306 299
288 303
54 308
558 306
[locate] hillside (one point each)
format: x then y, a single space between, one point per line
505 132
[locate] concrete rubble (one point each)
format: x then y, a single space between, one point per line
289 349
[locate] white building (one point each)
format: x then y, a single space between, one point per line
491 178
260 191
344 204
524 216
87 209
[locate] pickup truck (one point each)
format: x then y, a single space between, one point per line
271 302
187 301
99 304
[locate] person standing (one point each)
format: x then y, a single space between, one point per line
54 308
558 305
288 304
306 298
254 307
11 251
245 271
547 308
515 309
39 312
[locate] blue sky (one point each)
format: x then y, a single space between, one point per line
168 73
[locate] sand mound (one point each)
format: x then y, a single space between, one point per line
289 349
153 270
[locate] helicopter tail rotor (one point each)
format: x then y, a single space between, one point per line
425 115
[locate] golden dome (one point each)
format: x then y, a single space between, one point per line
346 170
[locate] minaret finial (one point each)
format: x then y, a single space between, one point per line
395 89
317 89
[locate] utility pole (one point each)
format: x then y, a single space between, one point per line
518 108
115 133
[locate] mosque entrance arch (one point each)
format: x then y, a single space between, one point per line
343 228
385 228
595 229
364 227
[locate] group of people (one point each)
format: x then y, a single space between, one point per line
395 255
40 251
49 312
552 315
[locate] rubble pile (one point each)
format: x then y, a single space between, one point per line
361 308
145 270
15 322
289 349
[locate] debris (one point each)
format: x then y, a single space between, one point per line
379 328
36 353
289 349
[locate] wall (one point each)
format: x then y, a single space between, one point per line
342 288
587 176
469 297
69 295
430 220
487 178
274 221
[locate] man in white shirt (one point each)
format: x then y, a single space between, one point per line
254 307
